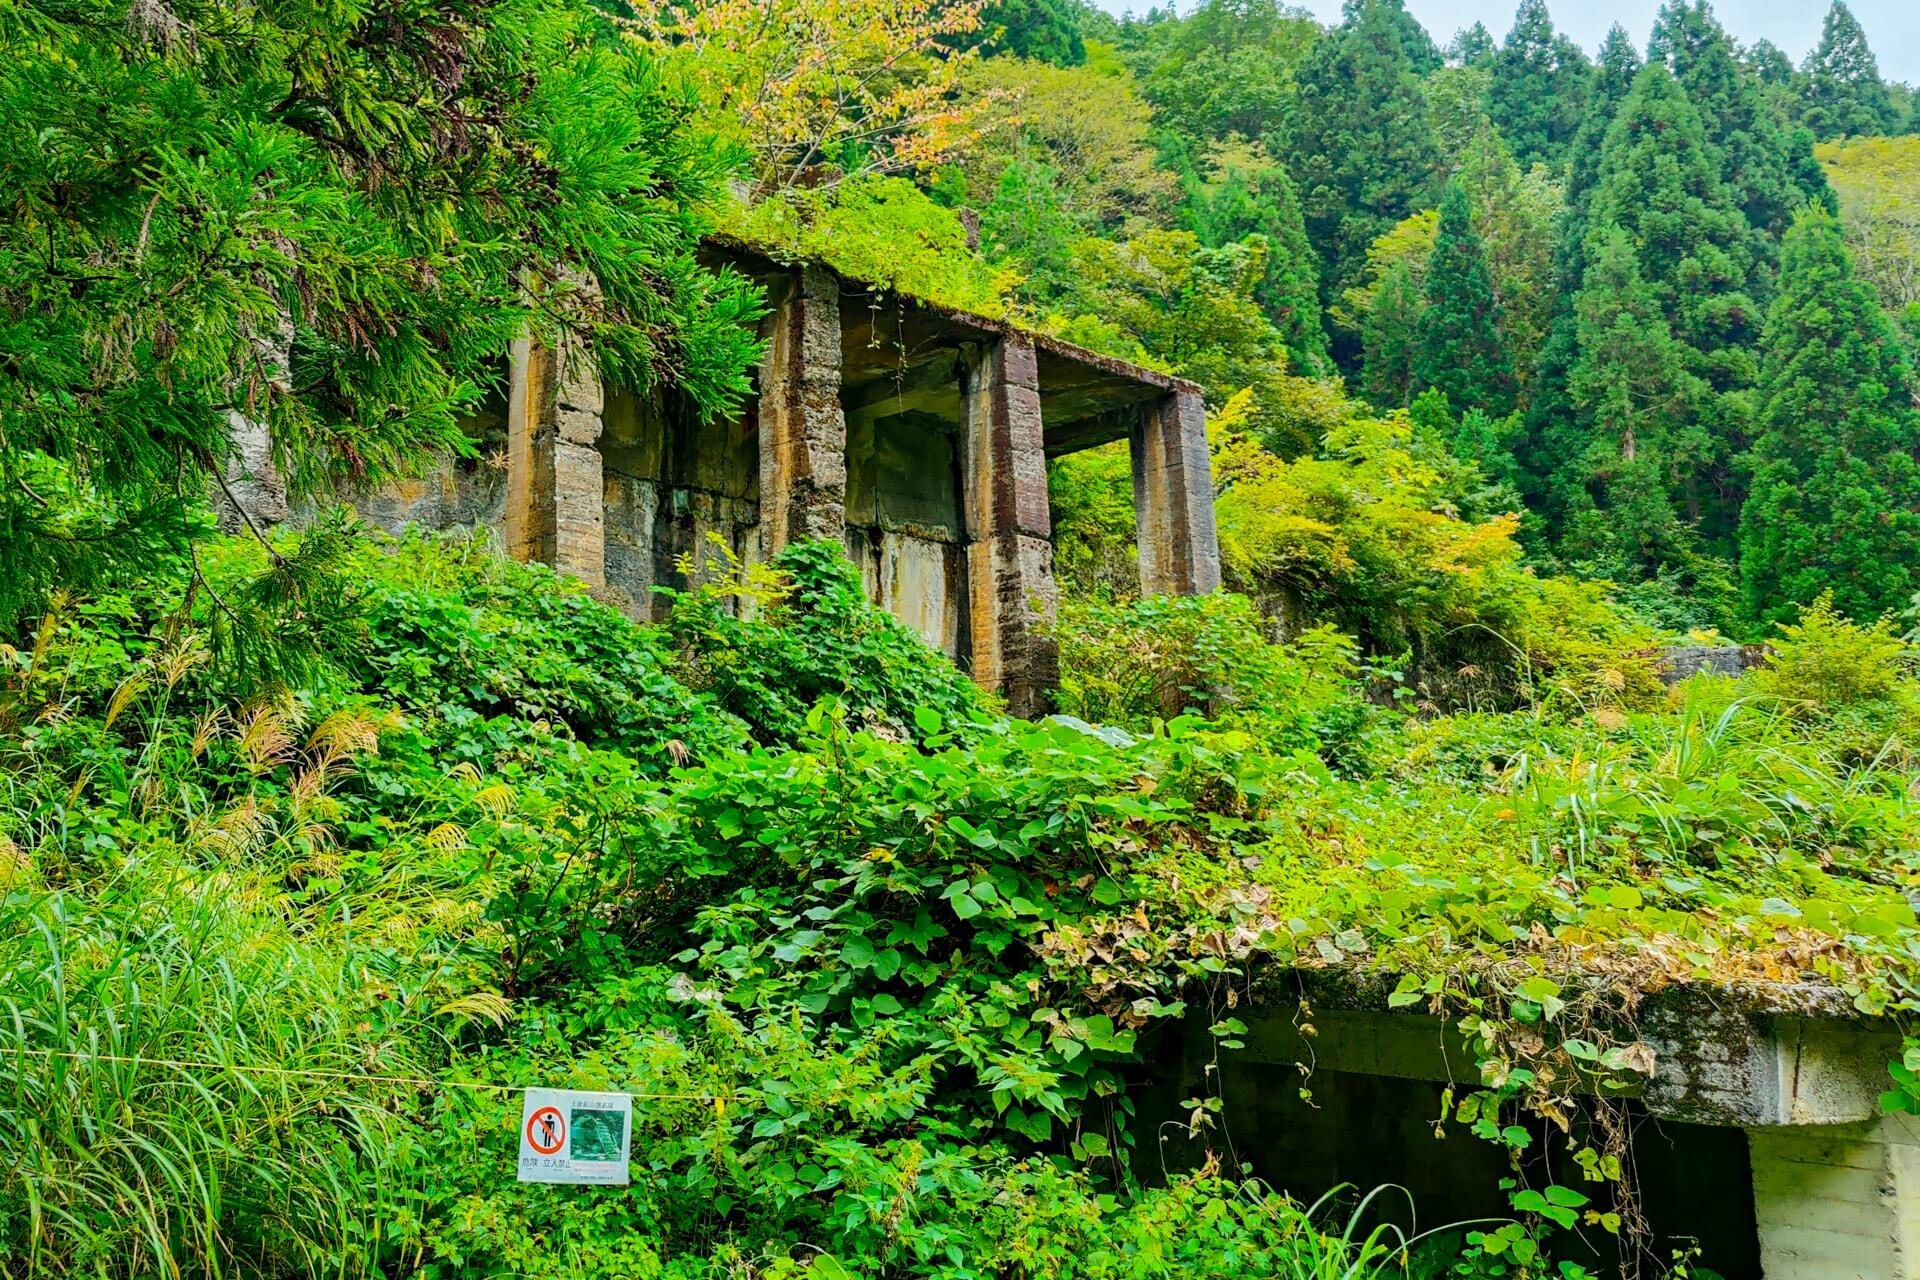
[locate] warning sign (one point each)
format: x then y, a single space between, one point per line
566 1136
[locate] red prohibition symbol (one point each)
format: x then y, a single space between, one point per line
547 1130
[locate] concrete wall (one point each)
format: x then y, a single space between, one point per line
1839 1202
905 530
915 436
672 482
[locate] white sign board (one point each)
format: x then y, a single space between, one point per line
566 1136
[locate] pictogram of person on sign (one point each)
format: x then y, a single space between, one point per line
547 1130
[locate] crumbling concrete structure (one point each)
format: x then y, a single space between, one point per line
1753 1116
915 435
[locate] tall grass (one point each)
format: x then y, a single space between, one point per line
1723 780
155 1121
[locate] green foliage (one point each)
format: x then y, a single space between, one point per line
1028 225
330 224
1659 181
1832 504
847 944
885 232
1157 658
1240 203
1841 92
881 991
1390 339
1637 453
1457 347
1043 30
1088 125
452 631
1769 172
1642 389
1614 76
1224 69
111 986
1166 298
1537 91
1472 46
1422 54
1825 662
1370 533
1878 184
1360 145
1096 549
813 636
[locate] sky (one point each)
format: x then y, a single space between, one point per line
1892 26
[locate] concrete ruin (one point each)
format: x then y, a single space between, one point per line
1759 1132
915 435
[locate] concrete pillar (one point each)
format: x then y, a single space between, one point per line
259 492
556 502
803 432
1173 498
1010 551
1838 1202
253 493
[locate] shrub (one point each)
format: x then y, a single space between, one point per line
1133 663
447 627
810 633
1826 661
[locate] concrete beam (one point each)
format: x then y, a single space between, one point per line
803 430
1173 498
1010 583
1714 1063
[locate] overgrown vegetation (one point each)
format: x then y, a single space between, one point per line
316 847
876 962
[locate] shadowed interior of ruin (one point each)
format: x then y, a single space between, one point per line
1368 1131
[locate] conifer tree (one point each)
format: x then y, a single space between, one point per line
1618 67
1388 339
1659 183
1842 93
1767 169
1538 94
1457 346
1472 46
1265 203
1770 63
1415 40
1549 409
1635 454
1361 145
1659 201
1835 499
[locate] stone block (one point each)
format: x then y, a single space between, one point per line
1838 1202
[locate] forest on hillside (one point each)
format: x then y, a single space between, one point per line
1590 277
1524 363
